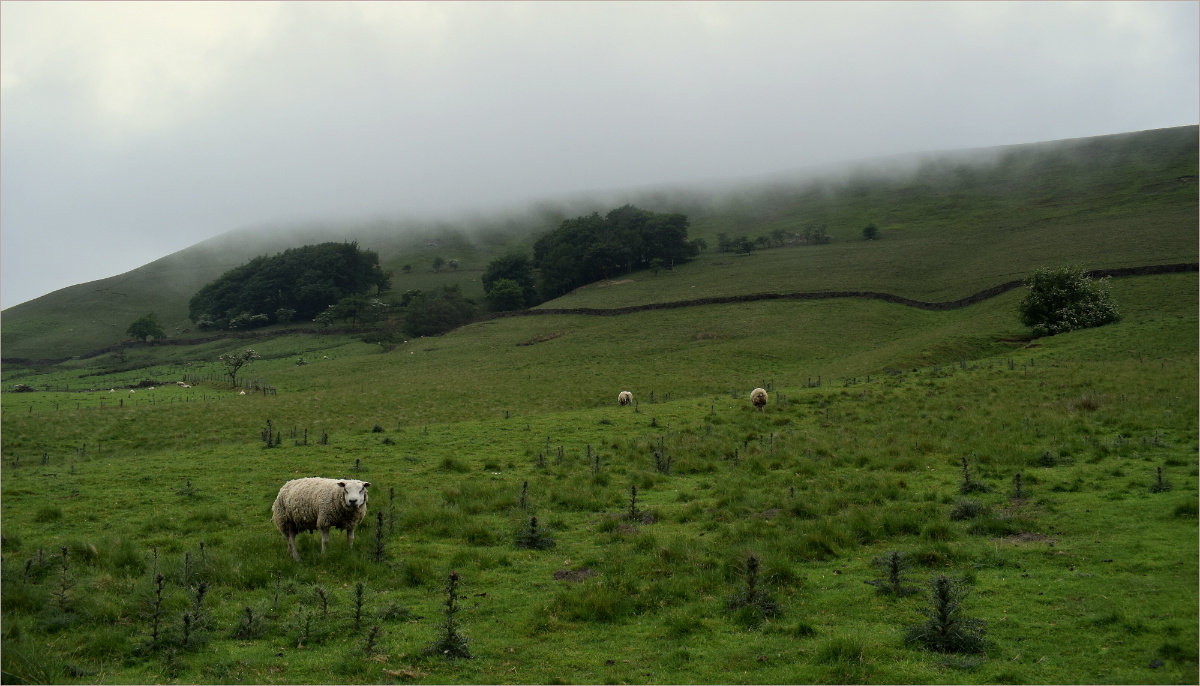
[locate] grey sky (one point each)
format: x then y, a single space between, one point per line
132 130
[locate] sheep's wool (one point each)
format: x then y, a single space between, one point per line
315 503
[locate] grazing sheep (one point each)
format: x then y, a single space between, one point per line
314 503
759 398
624 398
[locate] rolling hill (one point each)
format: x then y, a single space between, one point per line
951 224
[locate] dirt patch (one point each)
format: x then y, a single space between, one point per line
605 284
544 337
1026 537
575 575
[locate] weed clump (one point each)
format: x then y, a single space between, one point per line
893 567
450 643
1160 486
947 630
970 485
534 537
753 604
967 509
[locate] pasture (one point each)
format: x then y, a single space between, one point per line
889 430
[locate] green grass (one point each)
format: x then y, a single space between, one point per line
1091 577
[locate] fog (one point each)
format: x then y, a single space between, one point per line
133 130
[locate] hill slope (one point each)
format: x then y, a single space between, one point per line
951 225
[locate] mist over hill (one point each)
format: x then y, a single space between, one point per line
1111 201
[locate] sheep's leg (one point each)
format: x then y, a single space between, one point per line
350 537
291 539
324 539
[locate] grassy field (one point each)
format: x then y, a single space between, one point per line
1087 575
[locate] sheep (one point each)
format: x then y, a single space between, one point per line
759 398
624 398
315 503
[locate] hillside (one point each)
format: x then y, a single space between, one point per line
950 225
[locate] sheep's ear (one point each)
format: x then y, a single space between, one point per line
342 484
366 484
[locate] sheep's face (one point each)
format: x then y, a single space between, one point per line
354 493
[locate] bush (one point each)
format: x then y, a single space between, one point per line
1065 299
947 630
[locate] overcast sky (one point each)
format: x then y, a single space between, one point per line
129 131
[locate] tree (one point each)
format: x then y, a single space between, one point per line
437 263
430 313
590 248
505 294
1065 299
742 245
236 360
871 232
146 327
302 280
513 267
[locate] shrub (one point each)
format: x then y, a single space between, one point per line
534 537
967 509
1065 299
893 566
450 643
946 630
752 604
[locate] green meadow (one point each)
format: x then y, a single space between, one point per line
1088 576
688 538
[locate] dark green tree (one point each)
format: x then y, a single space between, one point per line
590 248
1065 299
304 280
146 327
871 232
429 313
505 295
438 262
515 267
742 245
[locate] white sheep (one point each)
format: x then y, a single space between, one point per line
758 397
624 398
314 503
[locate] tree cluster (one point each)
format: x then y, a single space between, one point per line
591 248
1065 299
297 283
814 234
